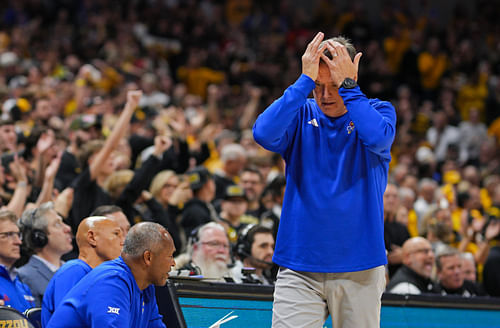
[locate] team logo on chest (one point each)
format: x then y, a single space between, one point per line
313 122
350 127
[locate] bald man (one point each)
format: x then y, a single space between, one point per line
99 239
414 275
121 293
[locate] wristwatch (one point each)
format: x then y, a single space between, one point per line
348 83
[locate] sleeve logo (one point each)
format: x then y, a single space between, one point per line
113 310
350 127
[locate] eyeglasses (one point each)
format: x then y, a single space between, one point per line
423 250
169 185
215 244
10 234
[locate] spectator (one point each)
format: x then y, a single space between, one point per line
451 276
491 270
437 227
254 249
469 267
166 201
432 63
13 292
395 233
275 191
426 197
198 210
233 217
13 170
414 277
253 184
82 129
407 197
48 238
472 134
441 135
121 293
99 239
233 159
8 136
208 252
97 156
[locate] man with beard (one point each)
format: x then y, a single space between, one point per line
253 183
255 249
414 275
210 252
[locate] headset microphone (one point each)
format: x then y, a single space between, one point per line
247 255
262 261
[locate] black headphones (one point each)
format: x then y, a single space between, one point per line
193 236
35 238
243 247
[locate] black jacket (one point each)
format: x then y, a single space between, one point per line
407 275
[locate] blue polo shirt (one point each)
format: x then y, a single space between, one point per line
108 296
14 292
60 284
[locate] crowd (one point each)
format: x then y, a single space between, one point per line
143 111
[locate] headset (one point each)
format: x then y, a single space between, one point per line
243 247
193 236
35 238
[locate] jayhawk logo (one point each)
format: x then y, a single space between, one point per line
350 127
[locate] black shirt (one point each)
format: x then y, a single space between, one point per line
491 272
394 234
468 289
407 275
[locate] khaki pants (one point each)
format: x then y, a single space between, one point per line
304 299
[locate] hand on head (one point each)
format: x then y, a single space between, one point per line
341 66
311 57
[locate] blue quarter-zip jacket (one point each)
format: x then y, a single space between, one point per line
336 172
108 296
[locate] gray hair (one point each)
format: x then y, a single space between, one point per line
445 252
406 192
427 182
142 237
232 151
209 225
6 215
199 232
343 41
469 257
37 218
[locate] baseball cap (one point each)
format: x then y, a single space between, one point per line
197 177
85 121
234 191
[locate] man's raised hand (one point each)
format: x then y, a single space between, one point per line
311 57
133 97
341 66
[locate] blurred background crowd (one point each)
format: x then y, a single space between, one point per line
180 152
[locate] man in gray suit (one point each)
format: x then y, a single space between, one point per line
47 238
